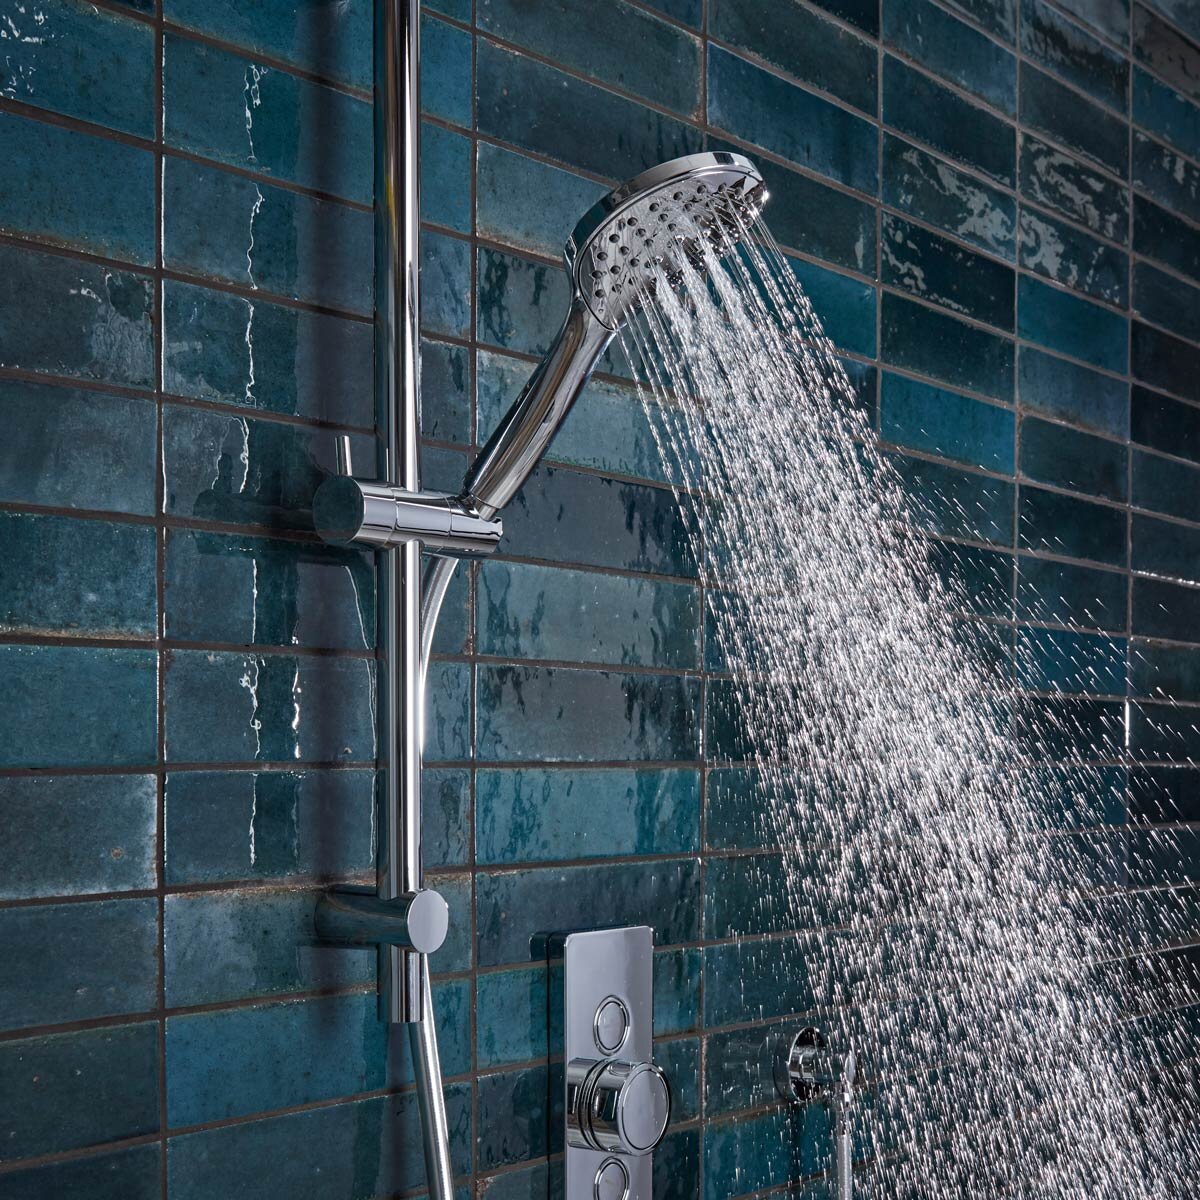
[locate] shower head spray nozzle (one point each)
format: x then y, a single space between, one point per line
638 238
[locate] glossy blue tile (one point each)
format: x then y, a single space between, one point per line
802 44
1165 672
1066 117
951 48
998 17
261 236
1062 322
611 41
1165 362
521 302
1165 486
763 1151
915 105
1167 176
76 962
1166 113
750 103
103 322
1165 424
1068 458
1064 254
1054 660
1065 525
1166 51
939 194
1070 392
953 503
1109 17
1062 182
238 111
445 177
69 1091
1068 51
1166 549
445 285
687 11
981 580
1163 733
844 307
574 122
513 1122
1166 300
931 343
67 706
554 714
119 1175
1066 594
446 71
540 815
445 392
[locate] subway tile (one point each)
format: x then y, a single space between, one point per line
118 1175
540 815
996 16
1165 486
610 41
915 105
1166 362
513 1121
939 194
445 177
71 189
1056 660
516 909
687 11
521 303
923 340
1064 254
69 706
680 1061
1163 794
258 592
261 236
1075 797
1065 323
69 1091
446 71
235 110
1165 424
1109 17
573 122
63 576
942 272
360 1148
1165 672
1163 733
560 715
1062 182
1069 392
1068 458
979 581
332 41
951 48
1168 177
1160 235
77 962
1169 54
744 812
1166 300
271 357
750 103
1165 610
1064 48
445 285
1067 729
923 417
739 1067
803 44
764 1151
844 307
1165 113
1067 594
1065 525
951 503
445 392
103 322
1052 109
755 980
1166 549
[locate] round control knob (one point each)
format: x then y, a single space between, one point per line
621 1107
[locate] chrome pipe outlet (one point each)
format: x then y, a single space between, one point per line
417 921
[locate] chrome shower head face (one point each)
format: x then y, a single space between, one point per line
644 235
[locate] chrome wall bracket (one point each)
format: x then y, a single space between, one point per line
617 1102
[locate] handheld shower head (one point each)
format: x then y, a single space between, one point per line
637 238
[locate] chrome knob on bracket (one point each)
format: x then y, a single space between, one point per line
617 1107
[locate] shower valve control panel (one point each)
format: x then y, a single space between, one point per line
617 1101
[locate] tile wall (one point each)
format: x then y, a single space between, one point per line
995 205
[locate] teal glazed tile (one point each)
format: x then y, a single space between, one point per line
1064 48
1109 17
447 713
76 962
1063 183
445 392
516 909
573 122
225 826
69 1091
1165 486
845 307
939 194
513 1121
1163 733
68 706
238 111
229 707
687 11
74 834
254 354
526 611
63 576
678 976
1067 729
1069 392
1160 235
981 581
541 815
73 449
446 71
913 104
445 177
510 1016
332 40
258 235
1165 549
996 16
738 1068
1166 300
923 417
521 303
802 44
1070 325
1169 54
103 319
742 812
750 103
258 592
445 285
1055 660
764 1151
1075 797
1061 252
1182 14
75 190
1165 362
680 1061
1068 458
1067 594
460 10
756 980
951 503
1056 111
1165 672
362 1148
609 40
119 1175
1166 176
951 48
1065 525
554 714
1166 113
945 274
1165 424
82 62
931 343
